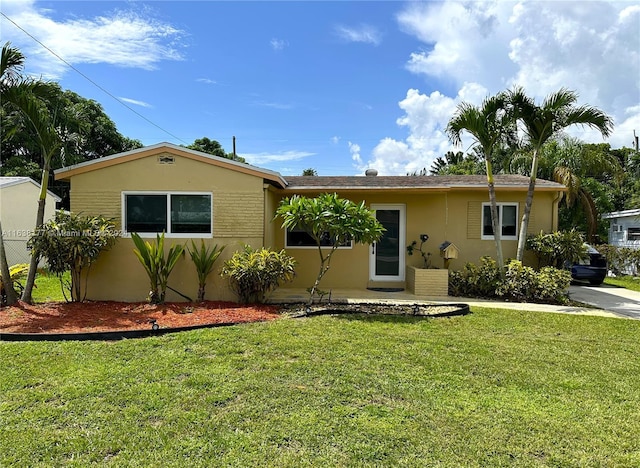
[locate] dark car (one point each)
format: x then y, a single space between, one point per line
593 269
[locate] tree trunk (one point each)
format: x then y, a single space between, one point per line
35 256
524 225
10 292
495 218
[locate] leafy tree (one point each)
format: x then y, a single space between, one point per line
205 145
71 242
332 217
25 99
540 124
310 172
457 164
491 127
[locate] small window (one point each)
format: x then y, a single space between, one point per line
301 238
507 219
633 233
177 214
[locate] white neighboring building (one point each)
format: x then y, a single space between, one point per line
624 228
18 211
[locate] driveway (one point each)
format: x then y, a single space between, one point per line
620 301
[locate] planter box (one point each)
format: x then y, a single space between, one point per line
428 282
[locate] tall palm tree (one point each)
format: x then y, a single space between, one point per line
28 97
489 125
540 124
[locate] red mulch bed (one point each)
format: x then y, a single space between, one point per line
86 317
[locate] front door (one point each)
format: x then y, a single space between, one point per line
386 259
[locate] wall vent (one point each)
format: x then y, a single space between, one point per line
166 160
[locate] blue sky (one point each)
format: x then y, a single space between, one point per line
335 86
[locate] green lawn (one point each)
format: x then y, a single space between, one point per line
495 388
629 282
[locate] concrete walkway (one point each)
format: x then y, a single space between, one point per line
357 296
620 301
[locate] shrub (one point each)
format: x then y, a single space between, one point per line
474 280
203 258
17 273
158 268
621 260
71 242
255 273
520 283
557 248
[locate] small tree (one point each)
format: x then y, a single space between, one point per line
158 267
329 217
203 258
71 242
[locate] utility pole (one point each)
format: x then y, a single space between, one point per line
234 146
635 141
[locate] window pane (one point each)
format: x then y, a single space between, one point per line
146 213
388 247
301 237
191 214
509 220
487 228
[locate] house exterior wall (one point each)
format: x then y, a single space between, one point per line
454 216
238 204
18 211
621 227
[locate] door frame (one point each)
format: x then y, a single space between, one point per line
402 236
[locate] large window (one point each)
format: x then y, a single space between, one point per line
177 214
507 220
633 233
301 238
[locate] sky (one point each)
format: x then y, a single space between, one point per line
336 86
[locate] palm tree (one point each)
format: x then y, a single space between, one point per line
490 126
540 124
27 98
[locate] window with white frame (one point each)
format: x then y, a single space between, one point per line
302 238
507 220
633 233
178 214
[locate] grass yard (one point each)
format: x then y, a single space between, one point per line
494 388
629 282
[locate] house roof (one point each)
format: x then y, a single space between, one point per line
66 172
621 214
10 181
435 183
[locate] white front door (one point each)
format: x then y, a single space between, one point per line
386 257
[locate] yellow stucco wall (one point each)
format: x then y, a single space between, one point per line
18 211
238 218
453 216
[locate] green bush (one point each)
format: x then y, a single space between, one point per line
621 260
72 242
255 273
520 284
203 259
158 268
557 248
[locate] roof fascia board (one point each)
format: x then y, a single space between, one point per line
139 153
37 185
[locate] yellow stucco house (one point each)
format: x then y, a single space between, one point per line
192 195
18 210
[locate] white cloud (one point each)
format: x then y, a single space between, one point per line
206 81
335 140
278 44
485 47
267 158
123 38
135 102
274 105
362 33
354 149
